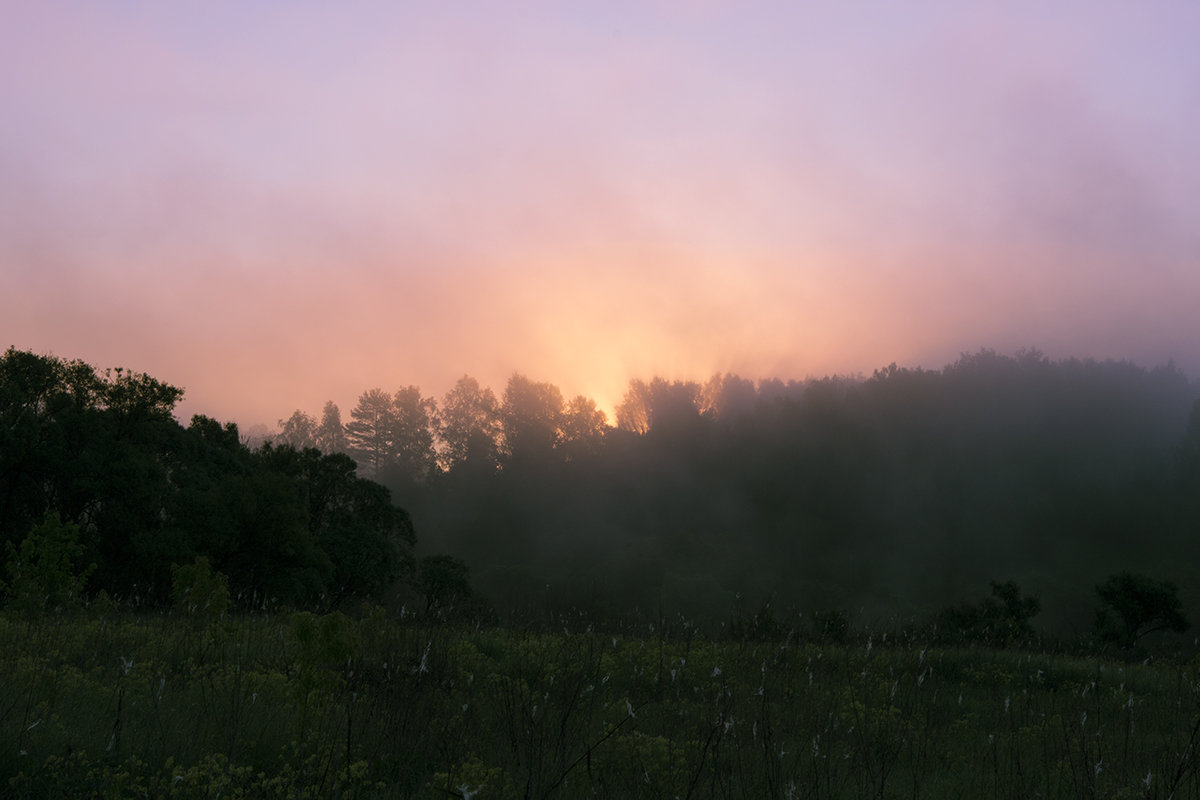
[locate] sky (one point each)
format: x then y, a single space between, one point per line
272 204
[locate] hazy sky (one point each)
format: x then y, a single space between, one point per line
274 204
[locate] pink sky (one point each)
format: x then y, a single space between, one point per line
272 205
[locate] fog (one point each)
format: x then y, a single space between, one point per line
889 495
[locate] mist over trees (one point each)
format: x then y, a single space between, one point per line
681 595
904 493
899 493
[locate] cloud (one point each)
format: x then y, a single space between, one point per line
286 207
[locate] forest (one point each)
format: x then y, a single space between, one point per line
895 494
970 581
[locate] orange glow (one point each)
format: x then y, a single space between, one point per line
587 197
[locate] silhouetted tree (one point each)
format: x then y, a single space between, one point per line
91 447
366 539
444 582
372 430
102 456
298 431
468 425
662 405
725 396
276 555
674 406
1143 606
413 456
530 418
583 427
633 412
330 436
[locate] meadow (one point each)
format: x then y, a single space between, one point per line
279 635
106 702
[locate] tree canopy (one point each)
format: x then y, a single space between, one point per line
831 493
825 493
100 454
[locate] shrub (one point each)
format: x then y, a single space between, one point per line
444 582
999 620
1142 605
44 571
199 593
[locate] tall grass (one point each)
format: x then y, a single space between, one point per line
113 704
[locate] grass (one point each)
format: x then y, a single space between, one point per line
106 703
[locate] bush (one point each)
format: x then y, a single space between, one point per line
444 582
199 593
44 571
1142 605
999 620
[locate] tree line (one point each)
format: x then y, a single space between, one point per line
905 490
98 479
405 436
902 492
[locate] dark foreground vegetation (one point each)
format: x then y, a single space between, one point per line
975 582
197 704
